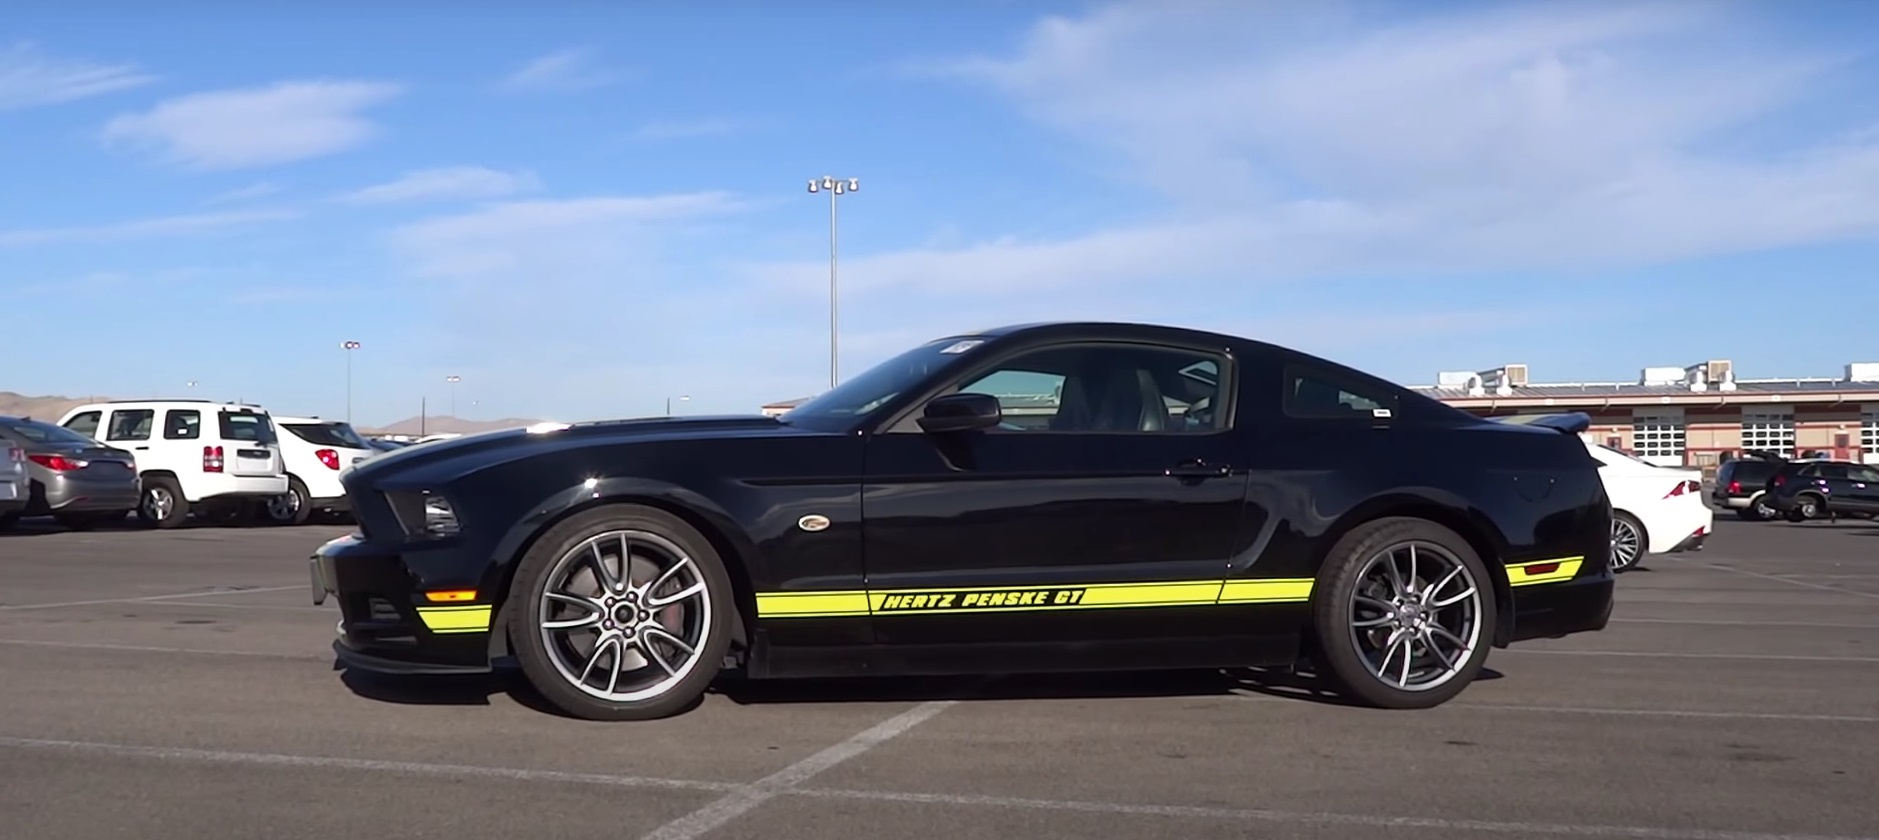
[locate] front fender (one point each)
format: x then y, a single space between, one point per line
562 503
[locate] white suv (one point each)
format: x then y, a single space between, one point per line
316 452
202 455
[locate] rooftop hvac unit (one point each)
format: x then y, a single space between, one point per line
1516 376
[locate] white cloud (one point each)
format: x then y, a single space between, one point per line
31 78
139 229
562 72
1294 140
253 127
445 183
581 235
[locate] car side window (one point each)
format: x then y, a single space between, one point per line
1108 388
1831 471
1320 395
182 424
1861 473
85 423
131 424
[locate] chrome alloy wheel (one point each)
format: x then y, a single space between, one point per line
1415 615
1627 543
624 614
158 502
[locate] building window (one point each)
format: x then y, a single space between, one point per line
1769 428
1657 435
1869 430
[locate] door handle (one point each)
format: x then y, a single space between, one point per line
140 448
1197 468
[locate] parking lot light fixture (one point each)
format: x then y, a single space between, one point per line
349 346
836 188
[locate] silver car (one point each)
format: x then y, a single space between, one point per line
78 481
15 487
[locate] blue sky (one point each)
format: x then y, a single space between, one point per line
584 207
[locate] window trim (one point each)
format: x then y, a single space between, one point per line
169 415
906 419
110 427
1288 406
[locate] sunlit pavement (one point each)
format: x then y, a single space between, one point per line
179 685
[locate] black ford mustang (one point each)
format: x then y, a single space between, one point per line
1039 498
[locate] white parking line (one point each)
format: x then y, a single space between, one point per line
782 781
1645 654
1822 625
171 597
335 763
1663 713
1820 586
153 649
1308 817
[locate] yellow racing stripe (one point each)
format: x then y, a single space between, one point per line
1174 593
464 619
1543 571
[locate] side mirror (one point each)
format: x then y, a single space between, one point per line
961 413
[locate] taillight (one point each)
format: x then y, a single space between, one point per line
1780 480
1684 487
1735 487
57 463
329 457
212 459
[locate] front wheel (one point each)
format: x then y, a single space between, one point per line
1628 542
621 613
1403 614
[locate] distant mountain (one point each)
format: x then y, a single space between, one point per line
47 408
435 424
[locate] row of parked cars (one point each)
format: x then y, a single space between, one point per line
1765 485
166 460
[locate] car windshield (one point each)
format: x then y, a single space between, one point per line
38 432
878 384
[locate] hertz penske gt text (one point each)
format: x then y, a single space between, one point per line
1038 498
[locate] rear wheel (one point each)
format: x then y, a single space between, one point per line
292 507
162 503
624 613
1628 541
1403 612
1806 506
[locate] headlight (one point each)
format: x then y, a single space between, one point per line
424 514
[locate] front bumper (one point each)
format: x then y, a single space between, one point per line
387 624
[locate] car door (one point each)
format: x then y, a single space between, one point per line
1862 494
1103 506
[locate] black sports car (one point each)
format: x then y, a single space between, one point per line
1038 498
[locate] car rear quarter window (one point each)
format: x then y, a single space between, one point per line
182 424
1316 394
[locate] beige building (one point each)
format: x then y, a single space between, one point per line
1692 416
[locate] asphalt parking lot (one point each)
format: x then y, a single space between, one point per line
179 684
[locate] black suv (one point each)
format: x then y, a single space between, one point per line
1740 485
1803 490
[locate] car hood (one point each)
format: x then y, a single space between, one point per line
483 448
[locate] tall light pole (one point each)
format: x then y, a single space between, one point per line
835 187
453 380
668 403
349 346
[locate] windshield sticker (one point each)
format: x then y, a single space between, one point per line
958 347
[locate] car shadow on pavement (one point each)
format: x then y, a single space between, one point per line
478 689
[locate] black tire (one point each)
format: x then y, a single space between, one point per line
179 508
297 495
525 614
1761 509
1336 587
1807 506
1622 520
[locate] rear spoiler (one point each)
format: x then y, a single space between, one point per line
1568 423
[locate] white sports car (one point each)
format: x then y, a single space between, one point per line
1655 510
